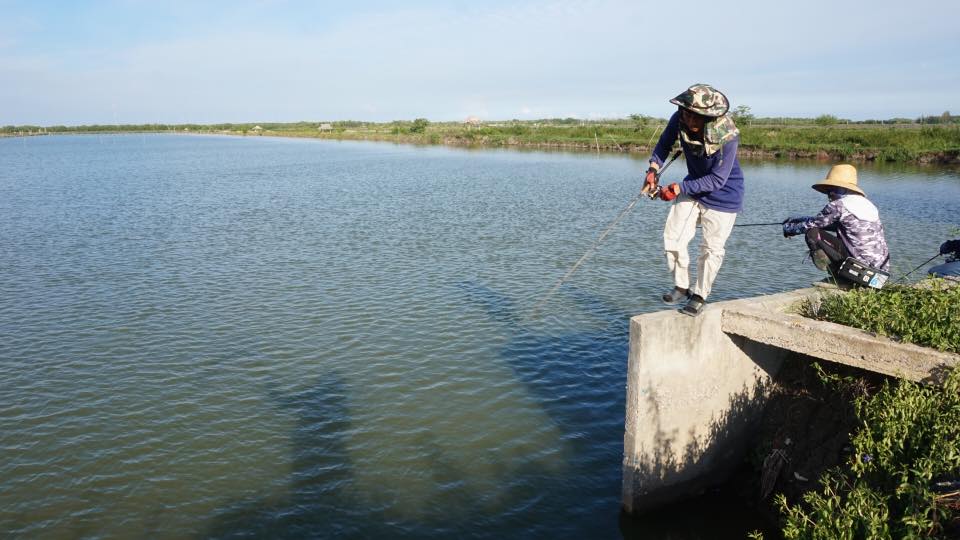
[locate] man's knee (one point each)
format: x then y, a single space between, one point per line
675 256
714 250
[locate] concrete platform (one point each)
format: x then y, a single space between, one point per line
695 385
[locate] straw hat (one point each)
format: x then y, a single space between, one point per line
843 176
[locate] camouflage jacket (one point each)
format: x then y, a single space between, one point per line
857 222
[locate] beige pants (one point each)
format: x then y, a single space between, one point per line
681 226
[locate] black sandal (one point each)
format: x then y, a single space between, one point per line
675 295
694 306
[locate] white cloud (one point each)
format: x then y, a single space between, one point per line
582 59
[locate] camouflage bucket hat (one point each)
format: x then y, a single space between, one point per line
703 99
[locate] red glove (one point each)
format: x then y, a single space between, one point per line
650 183
670 192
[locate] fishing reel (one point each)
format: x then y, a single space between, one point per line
654 193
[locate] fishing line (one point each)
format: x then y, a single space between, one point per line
603 235
915 269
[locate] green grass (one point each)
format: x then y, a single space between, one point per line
900 478
799 138
906 445
881 143
924 316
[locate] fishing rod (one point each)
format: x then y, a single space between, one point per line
625 211
758 224
915 269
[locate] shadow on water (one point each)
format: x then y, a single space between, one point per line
321 501
317 504
578 378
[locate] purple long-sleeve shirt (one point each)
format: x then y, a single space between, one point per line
716 181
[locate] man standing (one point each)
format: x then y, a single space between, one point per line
711 194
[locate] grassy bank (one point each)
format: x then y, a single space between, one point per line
928 316
797 138
899 476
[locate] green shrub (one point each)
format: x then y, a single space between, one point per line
419 125
908 440
826 120
924 316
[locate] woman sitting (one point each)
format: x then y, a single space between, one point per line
848 226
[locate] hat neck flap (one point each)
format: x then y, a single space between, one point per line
716 133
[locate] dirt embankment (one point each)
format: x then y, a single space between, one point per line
943 158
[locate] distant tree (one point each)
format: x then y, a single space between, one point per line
742 113
945 117
826 120
419 125
640 121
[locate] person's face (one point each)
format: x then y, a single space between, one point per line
836 193
693 121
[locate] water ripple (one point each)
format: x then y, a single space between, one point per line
223 337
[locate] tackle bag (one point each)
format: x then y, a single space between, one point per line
862 273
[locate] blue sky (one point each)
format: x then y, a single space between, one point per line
130 61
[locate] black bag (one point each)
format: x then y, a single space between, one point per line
862 273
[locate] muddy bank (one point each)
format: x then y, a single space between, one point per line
941 158
949 157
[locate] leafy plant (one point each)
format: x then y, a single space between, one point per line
924 316
907 441
640 121
826 120
419 125
742 114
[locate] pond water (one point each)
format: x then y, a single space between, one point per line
218 337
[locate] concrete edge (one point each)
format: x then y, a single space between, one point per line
837 343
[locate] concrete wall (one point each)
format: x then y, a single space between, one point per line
695 385
692 392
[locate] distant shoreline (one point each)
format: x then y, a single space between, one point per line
860 143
